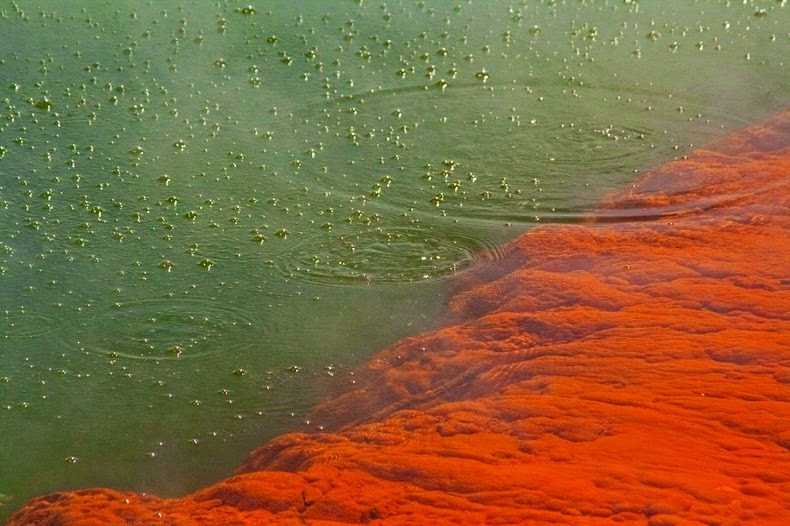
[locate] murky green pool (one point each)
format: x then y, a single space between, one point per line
211 211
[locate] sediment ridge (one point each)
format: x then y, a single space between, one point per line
634 369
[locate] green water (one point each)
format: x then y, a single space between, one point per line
210 213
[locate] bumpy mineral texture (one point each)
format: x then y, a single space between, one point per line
634 369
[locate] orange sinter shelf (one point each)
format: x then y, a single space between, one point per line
634 369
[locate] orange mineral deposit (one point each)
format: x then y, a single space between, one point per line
633 369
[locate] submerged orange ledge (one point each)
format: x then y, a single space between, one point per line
635 369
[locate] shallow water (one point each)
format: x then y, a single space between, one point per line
208 215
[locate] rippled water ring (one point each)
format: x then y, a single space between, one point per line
171 328
389 256
21 324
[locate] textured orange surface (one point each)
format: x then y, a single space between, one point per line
634 369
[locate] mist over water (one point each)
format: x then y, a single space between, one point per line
210 212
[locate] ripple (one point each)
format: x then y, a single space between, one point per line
587 141
512 152
21 324
168 329
398 255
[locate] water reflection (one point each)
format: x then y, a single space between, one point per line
190 192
